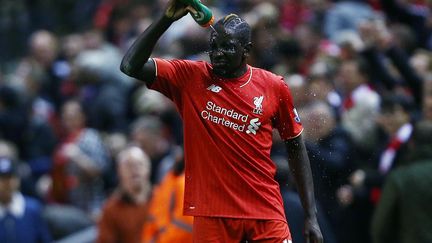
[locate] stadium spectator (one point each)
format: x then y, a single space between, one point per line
148 134
403 213
165 222
293 207
79 161
42 69
125 211
312 45
299 90
362 193
345 16
382 53
21 218
417 16
331 151
101 90
360 103
321 86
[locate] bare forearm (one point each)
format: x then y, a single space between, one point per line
140 51
301 170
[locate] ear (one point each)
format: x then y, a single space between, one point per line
247 49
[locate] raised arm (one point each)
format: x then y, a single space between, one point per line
136 62
301 170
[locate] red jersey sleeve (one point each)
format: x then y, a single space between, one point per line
287 120
171 76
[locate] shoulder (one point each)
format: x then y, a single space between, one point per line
417 174
416 169
202 66
88 138
170 68
32 205
113 201
269 76
199 63
112 206
198 66
90 133
269 79
364 95
182 62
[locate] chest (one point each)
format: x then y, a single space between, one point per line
245 108
235 100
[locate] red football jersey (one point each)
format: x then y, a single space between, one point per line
228 127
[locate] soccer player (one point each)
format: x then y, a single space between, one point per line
229 109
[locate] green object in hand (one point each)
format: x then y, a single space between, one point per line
202 14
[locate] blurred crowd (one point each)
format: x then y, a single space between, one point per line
85 146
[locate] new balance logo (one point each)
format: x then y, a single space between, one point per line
214 88
254 126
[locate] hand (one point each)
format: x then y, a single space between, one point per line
357 178
345 195
43 186
176 10
312 231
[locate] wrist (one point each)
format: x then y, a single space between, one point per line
166 20
311 218
311 213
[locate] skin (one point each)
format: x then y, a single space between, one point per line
227 54
9 184
134 173
43 45
72 116
228 58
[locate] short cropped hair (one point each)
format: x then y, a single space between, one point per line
240 27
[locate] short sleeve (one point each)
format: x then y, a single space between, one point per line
286 120
171 76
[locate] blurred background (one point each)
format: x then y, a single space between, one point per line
360 72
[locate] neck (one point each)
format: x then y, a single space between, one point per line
142 195
5 201
237 73
4 204
240 71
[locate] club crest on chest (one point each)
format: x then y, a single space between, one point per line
258 105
